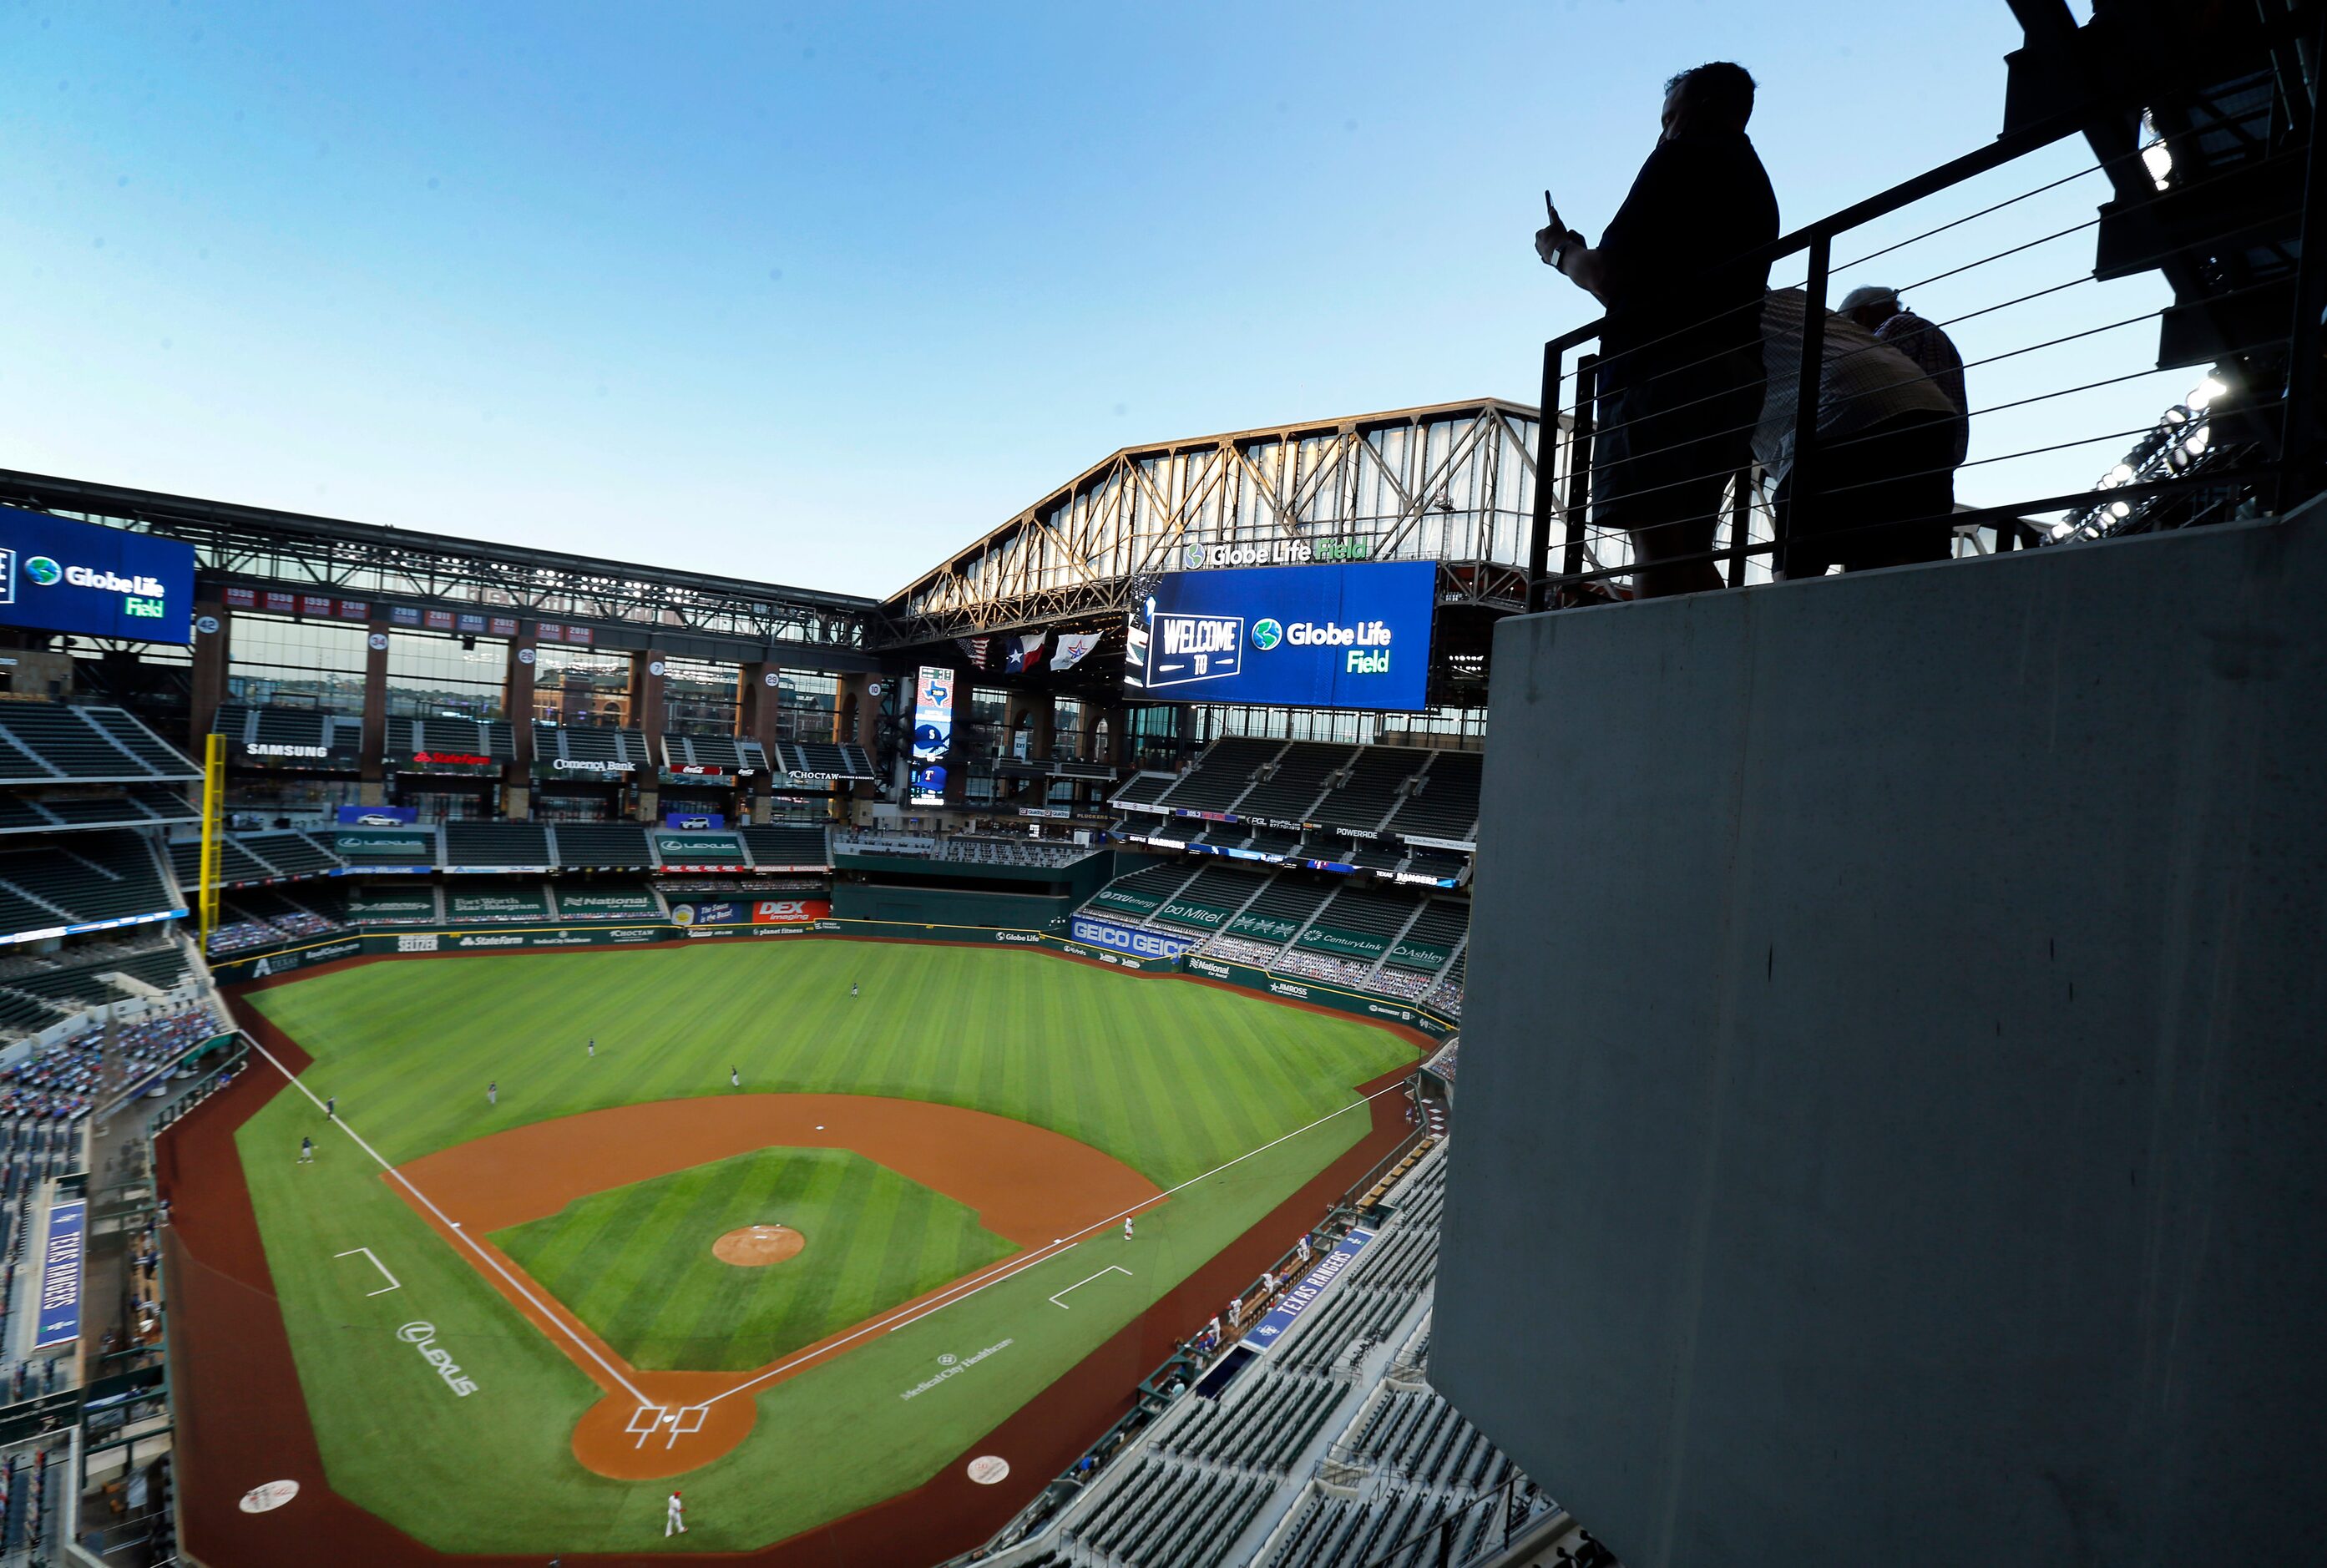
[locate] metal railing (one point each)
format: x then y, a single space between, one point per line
2193 464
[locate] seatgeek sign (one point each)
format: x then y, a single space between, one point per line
1317 637
60 575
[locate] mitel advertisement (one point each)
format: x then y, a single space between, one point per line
60 575
933 734
1320 637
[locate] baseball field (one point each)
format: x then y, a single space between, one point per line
793 1250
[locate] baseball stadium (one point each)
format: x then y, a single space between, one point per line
510 1056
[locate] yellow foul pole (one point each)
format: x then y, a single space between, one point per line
213 843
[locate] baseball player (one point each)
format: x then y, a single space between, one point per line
673 1520
1301 1250
1126 1228
594 1048
306 1151
330 1108
493 1093
852 987
734 1077
1235 1311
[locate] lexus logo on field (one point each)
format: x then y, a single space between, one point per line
1266 634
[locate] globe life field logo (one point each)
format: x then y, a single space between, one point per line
1266 634
42 570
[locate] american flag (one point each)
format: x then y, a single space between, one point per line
975 647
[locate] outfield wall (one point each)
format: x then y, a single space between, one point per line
288 958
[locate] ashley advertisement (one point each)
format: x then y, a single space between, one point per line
1323 636
60 575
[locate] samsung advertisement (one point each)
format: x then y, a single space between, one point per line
60 575
933 734
1311 637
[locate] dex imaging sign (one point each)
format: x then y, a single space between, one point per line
1322 637
60 575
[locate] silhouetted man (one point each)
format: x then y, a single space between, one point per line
1679 271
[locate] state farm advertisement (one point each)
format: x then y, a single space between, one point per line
750 911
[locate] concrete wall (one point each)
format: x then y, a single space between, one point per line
1894 1062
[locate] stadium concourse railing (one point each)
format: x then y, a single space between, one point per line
1182 1370
2220 450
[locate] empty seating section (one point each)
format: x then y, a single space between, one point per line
777 844
724 753
82 878
257 917
300 728
522 844
1258 934
1366 795
610 845
392 905
1139 894
611 900
293 855
451 739
46 742
1444 802
18 814
840 760
1356 927
1209 900
1221 775
141 807
498 903
698 848
1290 786
1144 789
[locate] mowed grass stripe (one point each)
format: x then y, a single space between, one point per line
636 1264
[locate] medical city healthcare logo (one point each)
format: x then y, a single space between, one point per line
42 570
1266 634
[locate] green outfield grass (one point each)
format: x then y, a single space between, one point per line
635 1262
1173 1077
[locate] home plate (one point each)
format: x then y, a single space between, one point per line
989 1468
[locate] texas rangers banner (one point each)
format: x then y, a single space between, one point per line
1072 647
1266 1332
60 1314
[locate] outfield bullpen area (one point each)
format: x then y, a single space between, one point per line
809 1297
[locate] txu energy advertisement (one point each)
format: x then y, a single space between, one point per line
1325 637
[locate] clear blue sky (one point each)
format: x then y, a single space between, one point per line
819 296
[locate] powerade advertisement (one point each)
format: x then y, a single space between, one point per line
60 575
933 734
1320 637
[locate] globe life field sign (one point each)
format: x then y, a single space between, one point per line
60 575
1319 637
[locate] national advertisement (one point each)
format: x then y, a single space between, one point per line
57 574
1127 939
1324 637
1287 1311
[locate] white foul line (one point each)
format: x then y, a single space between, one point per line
1063 1245
1111 1268
494 1264
391 1284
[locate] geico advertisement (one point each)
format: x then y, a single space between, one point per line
1324 637
750 911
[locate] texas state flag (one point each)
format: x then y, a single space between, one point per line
1027 653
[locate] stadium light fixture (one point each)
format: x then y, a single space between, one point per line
2204 393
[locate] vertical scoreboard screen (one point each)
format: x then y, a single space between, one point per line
1310 637
60 575
933 734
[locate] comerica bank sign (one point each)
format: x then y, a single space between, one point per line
57 574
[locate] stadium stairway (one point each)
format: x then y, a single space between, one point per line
1326 1452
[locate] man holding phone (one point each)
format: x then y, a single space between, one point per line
1680 272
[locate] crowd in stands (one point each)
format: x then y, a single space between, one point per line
65 1080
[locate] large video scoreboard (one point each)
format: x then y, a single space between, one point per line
1310 637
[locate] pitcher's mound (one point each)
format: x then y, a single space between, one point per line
758 1245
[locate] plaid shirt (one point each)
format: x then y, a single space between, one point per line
1936 356
1860 383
